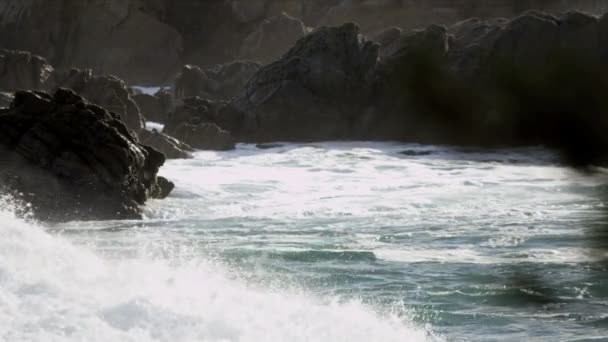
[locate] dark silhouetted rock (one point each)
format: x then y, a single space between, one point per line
313 92
221 82
22 70
196 123
74 160
151 107
169 146
579 33
206 136
106 91
274 37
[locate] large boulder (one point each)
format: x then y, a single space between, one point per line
74 160
221 82
197 123
313 92
107 91
169 146
22 70
273 37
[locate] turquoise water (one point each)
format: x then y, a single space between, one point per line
325 242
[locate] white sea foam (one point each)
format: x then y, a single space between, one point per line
51 290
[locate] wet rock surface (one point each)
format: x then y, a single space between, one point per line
72 160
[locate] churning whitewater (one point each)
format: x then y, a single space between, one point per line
324 242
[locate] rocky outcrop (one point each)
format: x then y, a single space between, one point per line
206 136
313 92
169 146
274 37
126 38
221 82
535 79
197 122
22 70
107 91
73 160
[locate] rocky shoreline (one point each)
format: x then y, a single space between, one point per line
533 79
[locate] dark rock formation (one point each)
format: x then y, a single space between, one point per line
74 160
213 31
274 37
22 70
314 92
197 122
221 82
535 79
106 91
126 38
154 108
206 136
169 146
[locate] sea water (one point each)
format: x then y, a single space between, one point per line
344 241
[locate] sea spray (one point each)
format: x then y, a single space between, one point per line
53 290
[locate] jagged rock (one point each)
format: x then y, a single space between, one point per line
197 122
152 107
273 38
106 91
469 32
22 70
191 81
127 38
386 38
221 82
75 160
227 80
313 92
401 71
530 39
206 136
169 146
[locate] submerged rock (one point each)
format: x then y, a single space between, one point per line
73 160
22 70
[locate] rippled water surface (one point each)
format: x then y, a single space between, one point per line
325 242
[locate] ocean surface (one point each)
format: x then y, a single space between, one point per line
344 241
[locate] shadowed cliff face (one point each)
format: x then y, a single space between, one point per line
110 36
146 41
